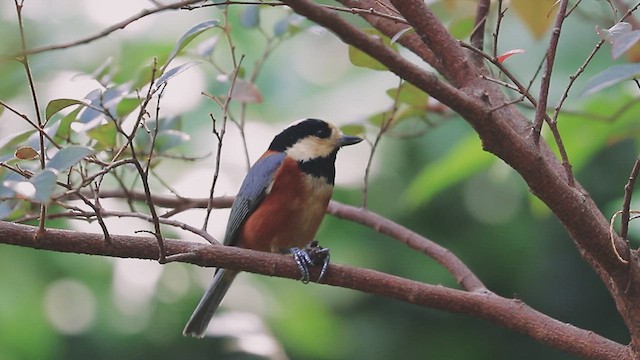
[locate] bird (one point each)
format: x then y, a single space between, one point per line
280 205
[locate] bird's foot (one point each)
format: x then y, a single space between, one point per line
312 255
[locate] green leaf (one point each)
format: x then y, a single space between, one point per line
250 16
188 37
463 160
65 124
6 207
361 59
9 144
169 139
44 183
410 95
462 28
126 106
400 34
352 129
174 72
611 76
143 76
54 106
409 112
68 156
105 135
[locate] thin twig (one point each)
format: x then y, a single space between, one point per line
24 59
525 92
541 109
409 39
626 204
384 126
477 35
106 32
220 133
496 32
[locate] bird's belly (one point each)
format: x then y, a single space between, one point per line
283 221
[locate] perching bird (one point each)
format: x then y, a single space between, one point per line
280 204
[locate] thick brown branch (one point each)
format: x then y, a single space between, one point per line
463 275
433 33
509 313
477 36
505 132
409 40
371 45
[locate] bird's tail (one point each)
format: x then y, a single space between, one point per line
210 301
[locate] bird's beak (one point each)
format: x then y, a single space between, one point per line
349 140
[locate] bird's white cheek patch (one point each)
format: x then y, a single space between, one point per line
311 148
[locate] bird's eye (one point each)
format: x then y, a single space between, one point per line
323 133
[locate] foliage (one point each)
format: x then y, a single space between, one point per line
249 65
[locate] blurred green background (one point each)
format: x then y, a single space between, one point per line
429 175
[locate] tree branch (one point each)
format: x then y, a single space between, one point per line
463 275
437 38
409 40
505 132
426 81
106 32
509 313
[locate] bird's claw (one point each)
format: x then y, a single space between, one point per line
311 255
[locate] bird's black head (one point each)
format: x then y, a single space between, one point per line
300 130
314 144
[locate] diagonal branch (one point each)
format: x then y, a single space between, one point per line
437 38
512 314
409 40
505 132
477 36
106 32
541 109
425 80
463 275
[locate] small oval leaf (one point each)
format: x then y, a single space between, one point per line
610 77
44 182
174 72
625 42
399 34
68 156
246 92
409 94
26 153
352 129
362 59
250 16
509 53
54 106
206 47
610 35
188 37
